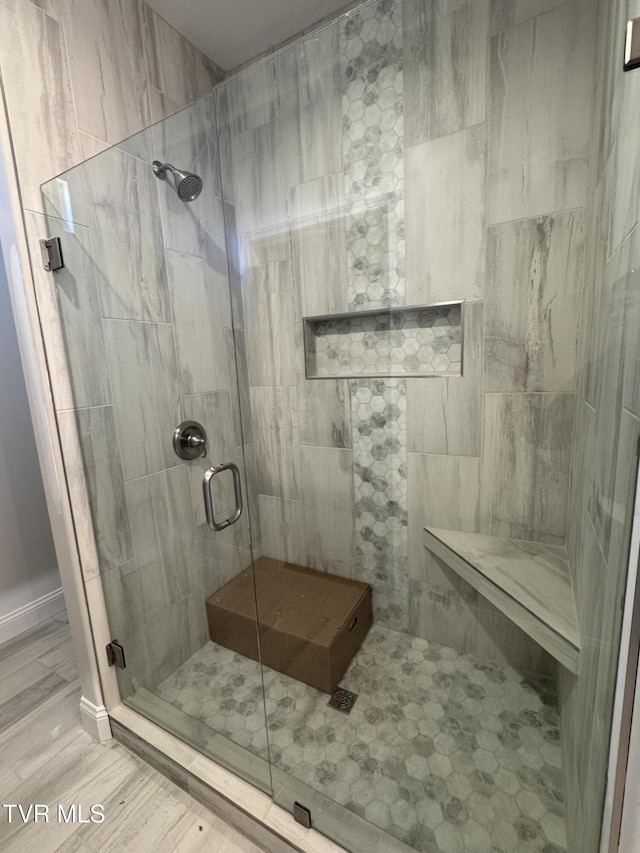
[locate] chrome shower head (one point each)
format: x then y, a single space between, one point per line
187 185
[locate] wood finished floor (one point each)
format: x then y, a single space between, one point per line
46 757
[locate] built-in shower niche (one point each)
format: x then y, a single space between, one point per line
387 342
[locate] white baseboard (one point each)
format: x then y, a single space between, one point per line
31 614
95 720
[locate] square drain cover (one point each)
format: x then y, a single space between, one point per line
342 700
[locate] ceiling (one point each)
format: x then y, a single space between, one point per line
232 31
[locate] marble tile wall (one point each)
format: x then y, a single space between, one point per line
167 343
102 73
520 321
445 204
533 172
330 229
516 253
444 417
281 142
318 239
524 471
604 464
320 227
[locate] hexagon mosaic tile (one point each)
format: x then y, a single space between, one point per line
421 341
371 63
443 751
379 439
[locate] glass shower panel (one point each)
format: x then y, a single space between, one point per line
420 415
145 307
313 178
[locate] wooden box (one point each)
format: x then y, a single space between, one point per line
310 623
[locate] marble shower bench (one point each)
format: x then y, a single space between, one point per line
529 582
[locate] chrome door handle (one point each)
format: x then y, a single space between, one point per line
208 500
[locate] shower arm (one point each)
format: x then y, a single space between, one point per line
160 169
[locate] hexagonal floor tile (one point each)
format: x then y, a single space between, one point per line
411 757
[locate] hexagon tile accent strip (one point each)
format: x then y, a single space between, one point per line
379 437
371 63
443 751
373 131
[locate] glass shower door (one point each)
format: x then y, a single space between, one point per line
370 426
145 306
316 196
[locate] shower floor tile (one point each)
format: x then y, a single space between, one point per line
441 750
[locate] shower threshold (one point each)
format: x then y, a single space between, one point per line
251 811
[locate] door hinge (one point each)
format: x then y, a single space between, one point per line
632 45
115 655
302 815
51 249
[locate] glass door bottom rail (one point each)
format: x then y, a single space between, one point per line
440 748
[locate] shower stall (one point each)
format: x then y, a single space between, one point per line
351 422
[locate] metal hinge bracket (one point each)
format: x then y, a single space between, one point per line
51 249
632 45
302 815
115 655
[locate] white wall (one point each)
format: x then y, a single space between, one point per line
29 579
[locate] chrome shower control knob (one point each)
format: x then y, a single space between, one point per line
190 440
